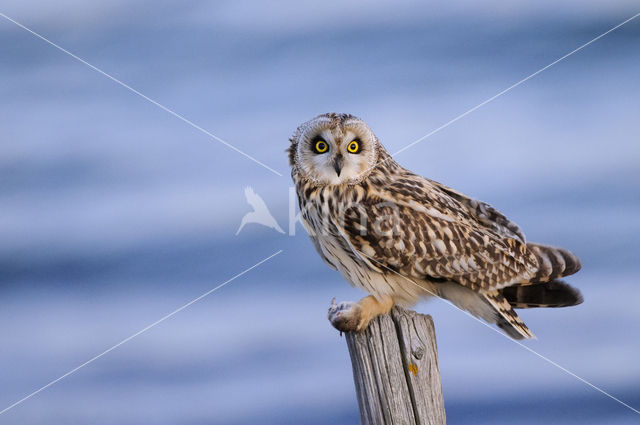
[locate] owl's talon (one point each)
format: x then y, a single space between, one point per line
345 316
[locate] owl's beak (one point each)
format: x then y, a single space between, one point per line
337 164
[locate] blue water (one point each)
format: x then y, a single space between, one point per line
113 213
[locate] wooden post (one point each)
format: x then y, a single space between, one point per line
395 370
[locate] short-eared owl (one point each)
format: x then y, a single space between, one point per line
401 237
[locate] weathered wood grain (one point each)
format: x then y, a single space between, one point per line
395 370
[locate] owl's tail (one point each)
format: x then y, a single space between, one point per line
553 263
544 289
548 294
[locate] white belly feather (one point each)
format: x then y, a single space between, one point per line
405 291
358 270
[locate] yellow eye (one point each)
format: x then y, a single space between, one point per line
353 147
321 146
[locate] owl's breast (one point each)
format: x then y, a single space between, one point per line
325 213
322 212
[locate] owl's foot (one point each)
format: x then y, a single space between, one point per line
345 316
348 316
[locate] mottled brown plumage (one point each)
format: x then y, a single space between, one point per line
400 236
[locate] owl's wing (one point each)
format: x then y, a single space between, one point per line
484 213
421 229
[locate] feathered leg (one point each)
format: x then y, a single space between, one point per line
348 316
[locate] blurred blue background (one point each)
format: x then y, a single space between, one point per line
113 213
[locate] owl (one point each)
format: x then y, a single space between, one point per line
401 237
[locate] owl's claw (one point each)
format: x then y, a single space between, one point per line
345 316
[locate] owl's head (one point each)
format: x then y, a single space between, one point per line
333 149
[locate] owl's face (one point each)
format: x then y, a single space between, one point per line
333 149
